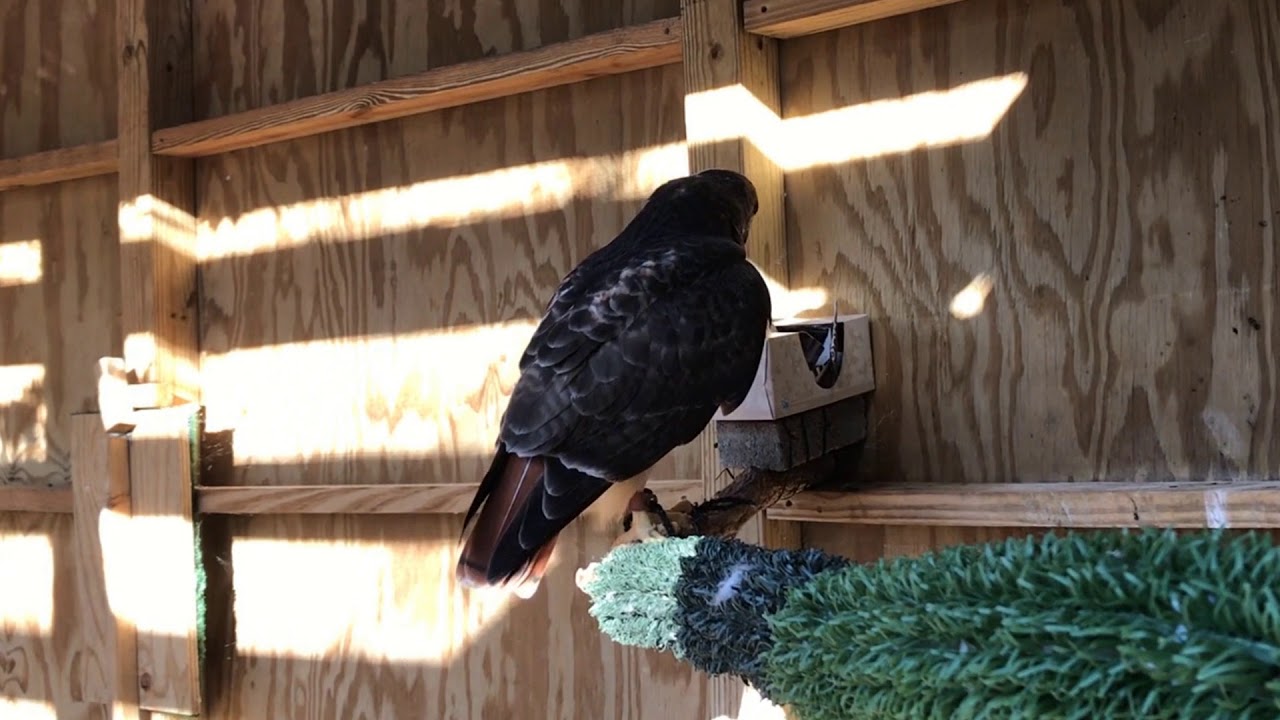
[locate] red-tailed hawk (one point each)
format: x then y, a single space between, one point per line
639 346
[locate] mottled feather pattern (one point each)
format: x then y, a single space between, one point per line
596 362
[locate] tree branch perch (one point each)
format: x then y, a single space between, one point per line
752 491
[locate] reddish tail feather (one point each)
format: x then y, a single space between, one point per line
485 561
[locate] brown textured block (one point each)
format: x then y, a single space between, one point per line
790 441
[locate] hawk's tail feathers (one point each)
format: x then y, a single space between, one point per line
485 560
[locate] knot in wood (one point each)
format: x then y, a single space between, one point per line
132 50
144 681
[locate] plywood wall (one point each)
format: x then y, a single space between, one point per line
364 297
1102 177
57 74
1124 210
59 294
368 291
248 55
59 278
45 665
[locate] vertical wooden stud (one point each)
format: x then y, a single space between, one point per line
100 486
721 57
157 199
161 452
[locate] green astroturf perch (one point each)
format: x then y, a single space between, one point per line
1110 624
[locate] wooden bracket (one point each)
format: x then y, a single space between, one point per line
136 546
100 473
161 536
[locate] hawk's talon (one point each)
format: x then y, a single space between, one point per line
646 520
651 501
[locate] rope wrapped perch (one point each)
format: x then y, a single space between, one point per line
1110 624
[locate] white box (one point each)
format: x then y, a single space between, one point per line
785 385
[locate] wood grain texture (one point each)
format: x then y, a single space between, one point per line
55 326
363 344
57 75
871 543
384 499
161 503
1124 211
718 53
612 52
793 18
1069 505
248 57
100 465
395 637
44 659
55 166
411 329
19 498
157 227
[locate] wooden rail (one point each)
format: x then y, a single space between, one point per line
793 18
416 499
1067 505
52 166
413 499
606 53
610 52
21 498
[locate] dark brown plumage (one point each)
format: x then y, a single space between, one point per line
639 346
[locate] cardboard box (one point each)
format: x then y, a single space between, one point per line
785 384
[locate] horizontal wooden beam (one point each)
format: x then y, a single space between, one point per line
1067 505
16 498
606 53
793 18
53 166
413 499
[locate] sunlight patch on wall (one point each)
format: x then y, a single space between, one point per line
447 202
24 421
970 301
792 302
147 218
14 708
754 706
386 601
165 541
21 262
436 392
430 392
939 118
19 383
26 576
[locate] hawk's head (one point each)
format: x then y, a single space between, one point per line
716 202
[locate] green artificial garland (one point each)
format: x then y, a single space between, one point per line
1111 624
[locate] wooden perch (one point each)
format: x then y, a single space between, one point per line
389 498
1191 504
752 491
